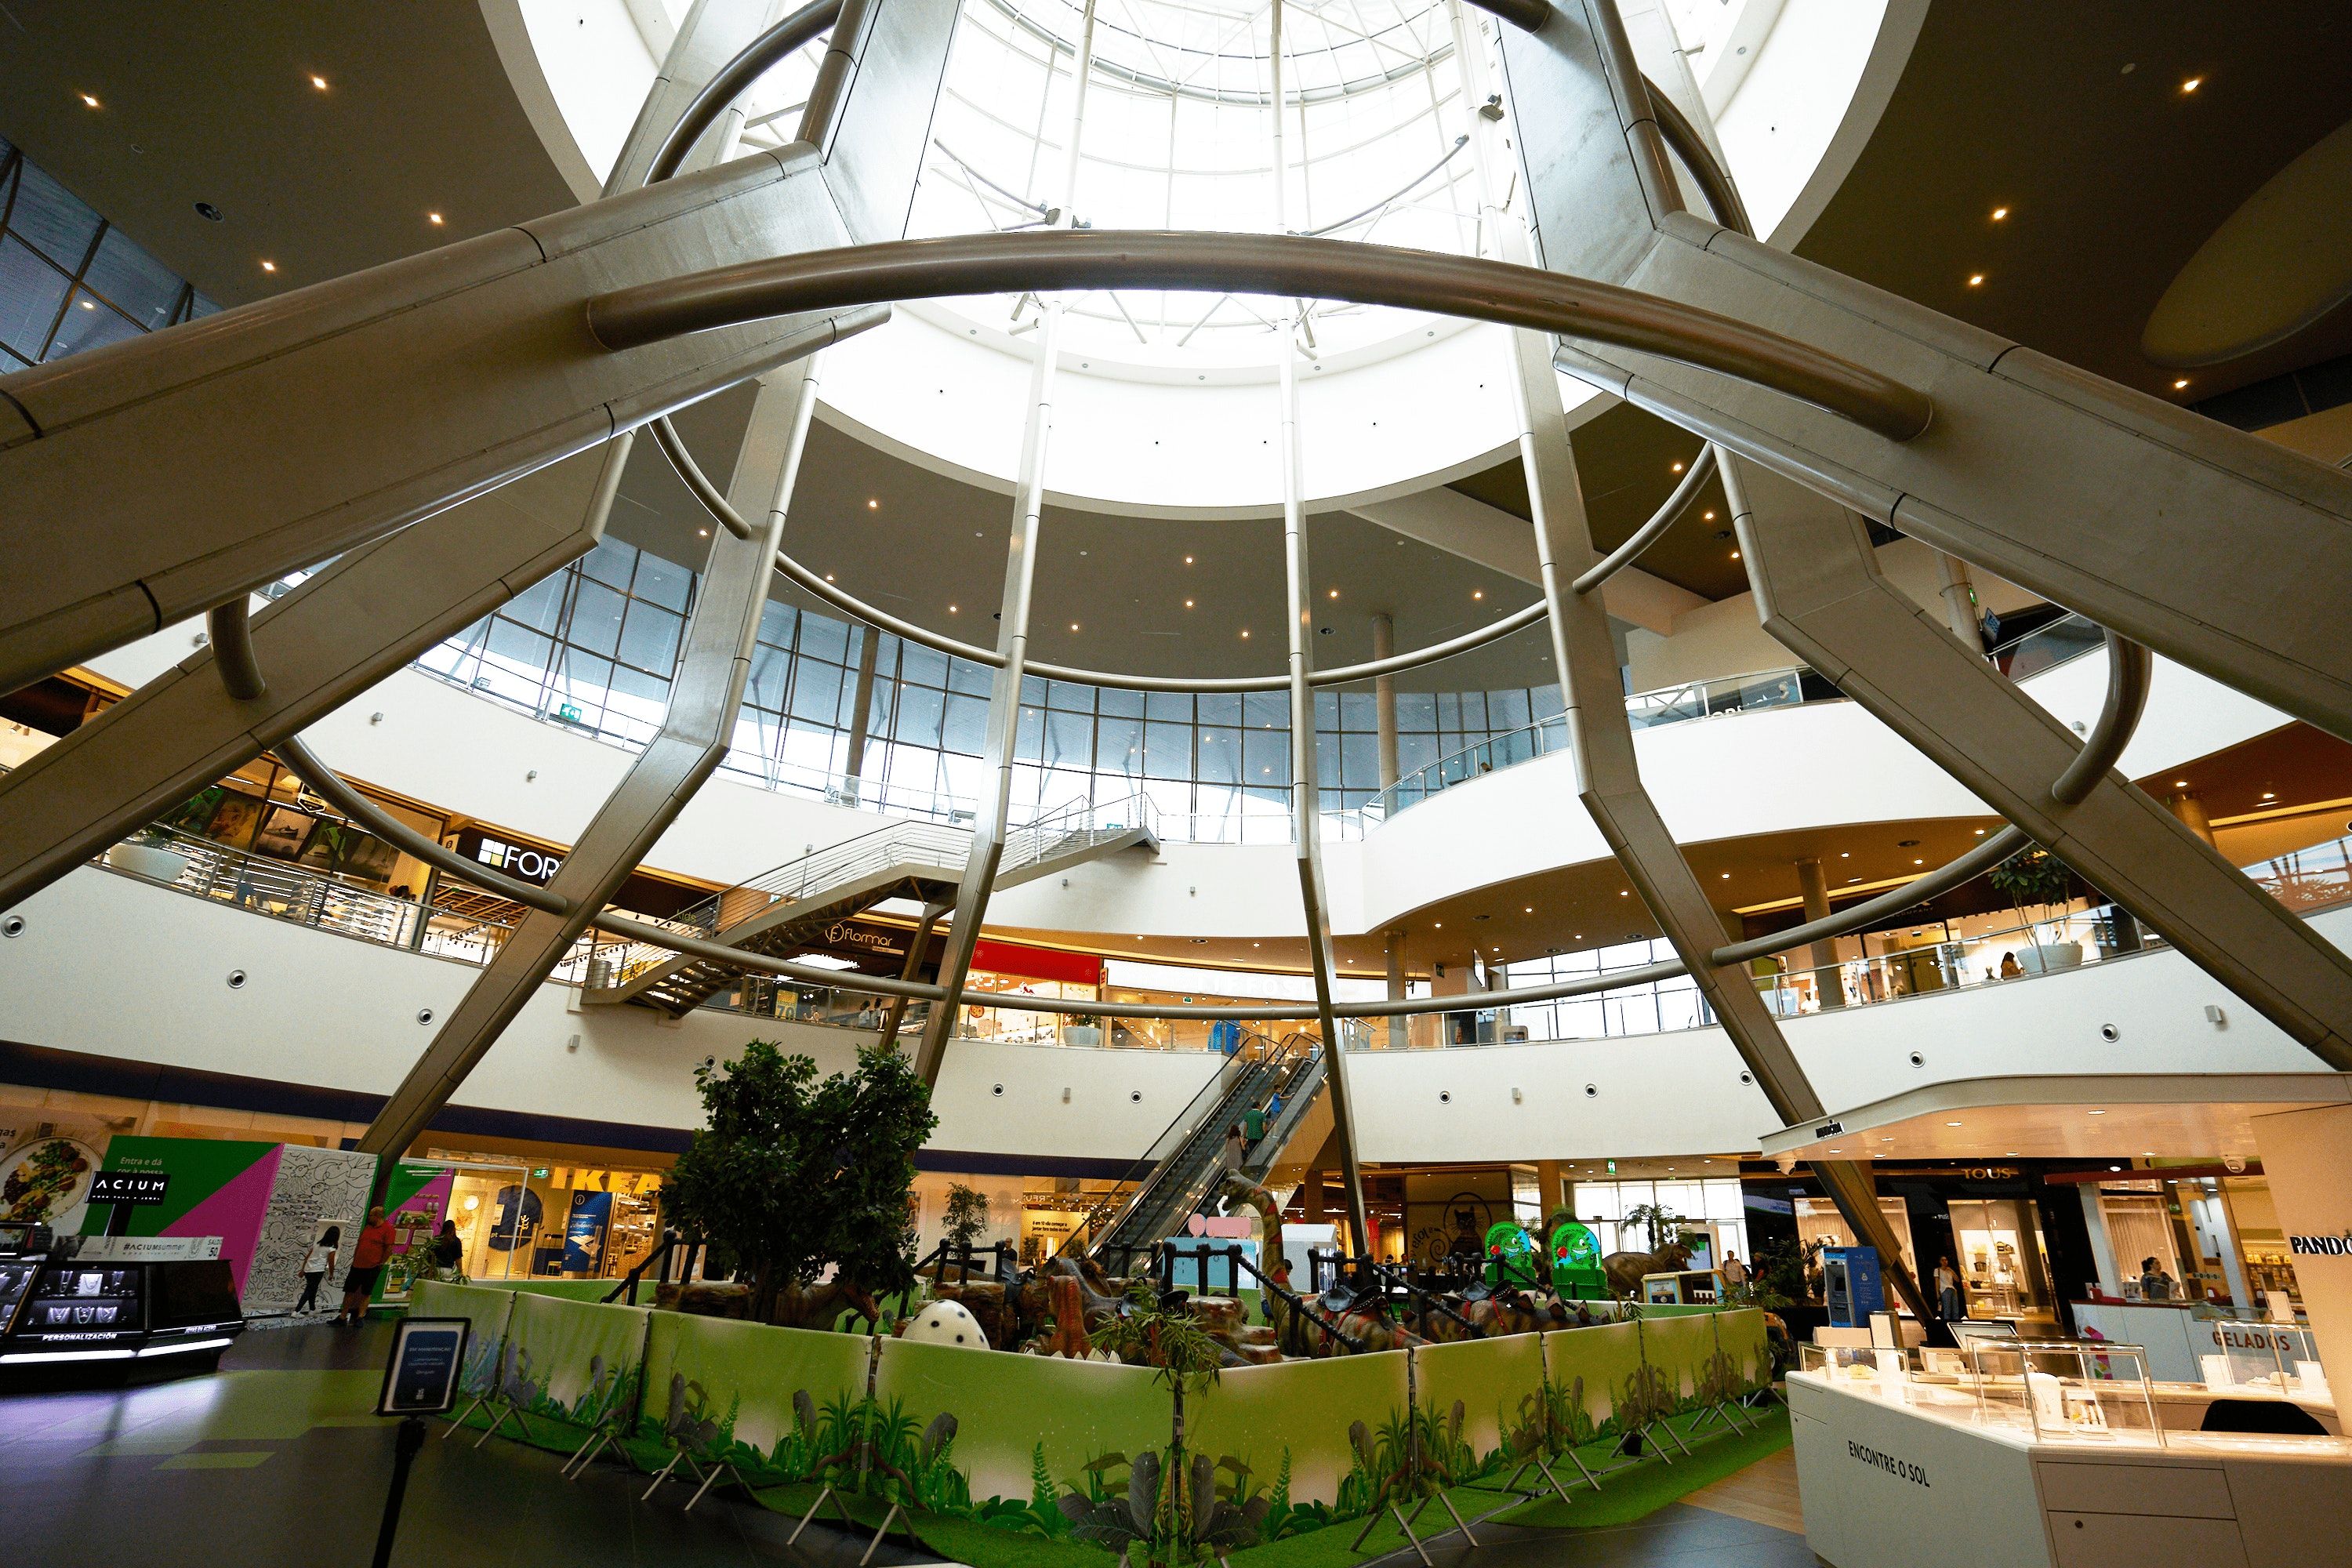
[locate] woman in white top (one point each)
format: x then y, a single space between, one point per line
317 1265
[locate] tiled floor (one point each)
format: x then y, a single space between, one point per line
274 1460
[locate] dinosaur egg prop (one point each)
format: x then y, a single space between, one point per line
946 1323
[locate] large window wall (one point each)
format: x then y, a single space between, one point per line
594 647
70 281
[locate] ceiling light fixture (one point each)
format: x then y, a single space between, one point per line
1998 214
2267 795
1675 468
90 100
1245 634
1710 517
88 306
2180 383
1187 560
269 267
433 218
1735 555
872 505
1975 279
2192 84
1478 592
2098 1113
320 82
951 609
1951 1124
1074 626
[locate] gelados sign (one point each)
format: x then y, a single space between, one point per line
2321 1245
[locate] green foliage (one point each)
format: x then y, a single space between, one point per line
2033 876
1142 1333
1784 1270
1656 1218
967 1213
790 1173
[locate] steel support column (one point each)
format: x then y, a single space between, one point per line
1820 594
682 755
1013 629
1607 772
1305 792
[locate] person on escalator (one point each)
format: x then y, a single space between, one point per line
1252 1125
1235 1148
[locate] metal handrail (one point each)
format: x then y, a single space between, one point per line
229 629
1367 274
1665 518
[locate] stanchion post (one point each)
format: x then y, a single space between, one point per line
404 1453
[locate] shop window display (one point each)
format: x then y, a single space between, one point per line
2003 1266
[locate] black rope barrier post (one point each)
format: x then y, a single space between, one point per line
404 1454
420 1379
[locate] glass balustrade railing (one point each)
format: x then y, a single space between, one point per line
2305 881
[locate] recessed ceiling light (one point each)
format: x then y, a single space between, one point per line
875 505
1919 862
2180 383
1478 592
1853 879
1998 214
1531 908
1677 469
1710 517
1625 892
2098 1113
1187 560
2181 783
1846 854
269 267
1735 555
951 609
433 218
1074 626
1441 925
1726 876
90 100
2268 795
1886 1140
1975 279
706 533
2192 84
88 306
828 576
1951 1124
1335 592
1245 634
320 82
1980 833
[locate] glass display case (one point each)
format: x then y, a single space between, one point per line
2056 1391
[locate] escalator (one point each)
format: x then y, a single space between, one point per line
1181 1170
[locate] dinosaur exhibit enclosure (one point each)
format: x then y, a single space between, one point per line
1051 1455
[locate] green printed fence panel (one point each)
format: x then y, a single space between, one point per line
573 1361
1499 1384
487 1311
1680 1349
1299 1413
573 1289
775 1403
1081 1420
1593 1374
1746 1349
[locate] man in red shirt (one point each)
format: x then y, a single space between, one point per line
368 1256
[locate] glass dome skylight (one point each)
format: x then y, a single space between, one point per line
1179 134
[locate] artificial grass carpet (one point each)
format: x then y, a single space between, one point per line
1630 1494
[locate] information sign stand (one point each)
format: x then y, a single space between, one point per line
419 1380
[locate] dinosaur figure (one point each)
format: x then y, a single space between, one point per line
1625 1268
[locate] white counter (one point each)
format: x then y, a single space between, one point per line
1900 1475
2178 1341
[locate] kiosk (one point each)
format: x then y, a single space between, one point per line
76 1299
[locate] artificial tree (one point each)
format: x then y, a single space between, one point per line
967 1213
2034 876
792 1173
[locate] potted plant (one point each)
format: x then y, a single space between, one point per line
149 852
2038 878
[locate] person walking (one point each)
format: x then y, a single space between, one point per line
1949 1305
1734 1272
317 1265
368 1256
447 1250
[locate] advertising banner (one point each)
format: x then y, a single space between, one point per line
572 1360
313 1189
47 1161
584 1231
1594 1372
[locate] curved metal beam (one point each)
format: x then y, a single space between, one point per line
1260 264
323 779
716 503
2128 671
1684 141
802 26
1529 15
1665 518
916 990
229 629
666 437
1995 848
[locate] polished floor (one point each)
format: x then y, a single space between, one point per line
274 1460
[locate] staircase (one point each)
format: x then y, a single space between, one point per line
1182 1169
786 912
